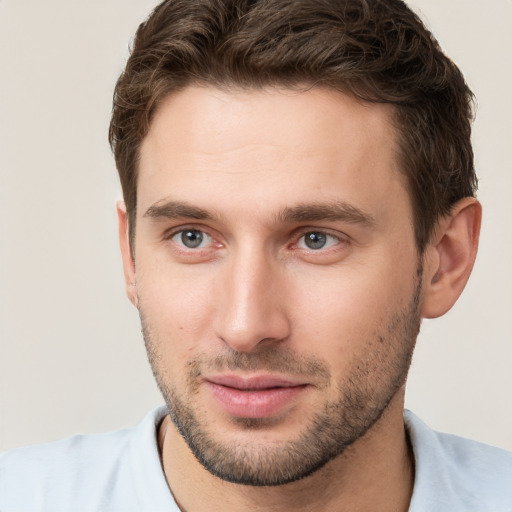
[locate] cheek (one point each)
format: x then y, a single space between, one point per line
345 310
176 308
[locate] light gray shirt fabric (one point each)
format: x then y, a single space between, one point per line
121 472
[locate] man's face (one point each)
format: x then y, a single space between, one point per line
277 276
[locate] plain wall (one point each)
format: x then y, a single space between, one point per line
71 353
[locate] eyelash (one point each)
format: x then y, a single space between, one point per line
170 235
298 238
324 234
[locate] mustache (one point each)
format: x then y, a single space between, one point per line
265 358
269 359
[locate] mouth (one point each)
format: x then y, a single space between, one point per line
260 396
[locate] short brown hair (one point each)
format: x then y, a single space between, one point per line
377 50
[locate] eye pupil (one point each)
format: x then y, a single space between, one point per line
191 238
315 240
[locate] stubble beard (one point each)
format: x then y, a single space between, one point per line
363 396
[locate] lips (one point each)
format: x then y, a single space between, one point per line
254 397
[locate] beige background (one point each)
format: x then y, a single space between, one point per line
71 354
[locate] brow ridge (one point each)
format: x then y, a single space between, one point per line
176 210
332 211
307 212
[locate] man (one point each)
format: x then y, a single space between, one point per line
298 193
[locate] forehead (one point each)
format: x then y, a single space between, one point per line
228 116
268 147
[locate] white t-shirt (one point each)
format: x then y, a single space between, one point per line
121 472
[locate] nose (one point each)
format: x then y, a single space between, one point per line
251 308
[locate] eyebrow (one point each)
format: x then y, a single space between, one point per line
308 212
332 211
177 210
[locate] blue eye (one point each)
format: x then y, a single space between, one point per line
191 238
315 240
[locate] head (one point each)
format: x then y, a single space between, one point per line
298 180
378 51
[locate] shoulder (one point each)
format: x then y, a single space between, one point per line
83 469
454 473
93 450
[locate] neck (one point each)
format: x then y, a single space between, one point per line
375 473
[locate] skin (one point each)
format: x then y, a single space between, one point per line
253 172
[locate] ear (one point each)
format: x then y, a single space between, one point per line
126 254
450 256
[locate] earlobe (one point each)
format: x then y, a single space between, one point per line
450 257
126 254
